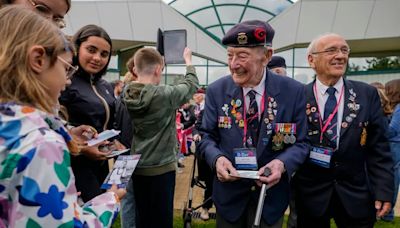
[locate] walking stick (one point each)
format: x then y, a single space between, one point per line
261 200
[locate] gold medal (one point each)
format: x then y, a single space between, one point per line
363 139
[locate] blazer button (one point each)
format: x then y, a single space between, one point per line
253 188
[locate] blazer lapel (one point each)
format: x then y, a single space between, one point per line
271 107
351 107
235 104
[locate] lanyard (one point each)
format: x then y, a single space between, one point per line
245 114
330 117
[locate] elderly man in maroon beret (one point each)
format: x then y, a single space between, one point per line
253 121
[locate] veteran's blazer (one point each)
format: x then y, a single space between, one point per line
285 99
361 167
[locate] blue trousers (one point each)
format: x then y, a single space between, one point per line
128 207
395 150
154 200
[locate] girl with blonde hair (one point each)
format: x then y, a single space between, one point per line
37 186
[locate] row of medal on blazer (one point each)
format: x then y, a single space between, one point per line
235 110
284 132
354 107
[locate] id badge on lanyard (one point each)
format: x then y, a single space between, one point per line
245 158
321 156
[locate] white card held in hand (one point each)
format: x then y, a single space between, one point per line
115 153
103 136
250 174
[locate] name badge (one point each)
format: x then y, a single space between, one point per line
245 158
321 156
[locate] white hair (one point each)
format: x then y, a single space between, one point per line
313 44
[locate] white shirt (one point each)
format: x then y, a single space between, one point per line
260 88
322 96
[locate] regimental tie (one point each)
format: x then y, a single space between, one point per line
330 105
252 120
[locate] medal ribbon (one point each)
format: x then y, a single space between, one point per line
330 117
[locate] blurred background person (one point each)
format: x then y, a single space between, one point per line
118 86
187 121
392 89
204 171
277 65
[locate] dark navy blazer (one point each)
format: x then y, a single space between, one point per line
361 169
231 198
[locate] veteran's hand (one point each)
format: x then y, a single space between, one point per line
277 168
225 170
382 209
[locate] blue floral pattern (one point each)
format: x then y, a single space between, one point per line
37 186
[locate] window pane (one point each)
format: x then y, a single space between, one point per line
254 14
215 73
185 8
205 17
274 6
230 14
198 60
304 75
288 56
300 57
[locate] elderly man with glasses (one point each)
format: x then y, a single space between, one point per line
348 175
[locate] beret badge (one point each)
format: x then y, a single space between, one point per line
242 38
260 34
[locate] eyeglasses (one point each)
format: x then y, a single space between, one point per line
71 69
333 51
46 12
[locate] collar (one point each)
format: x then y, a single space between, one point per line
321 88
260 88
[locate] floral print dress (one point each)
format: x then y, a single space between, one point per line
37 186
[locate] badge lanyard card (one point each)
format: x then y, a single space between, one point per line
246 157
320 155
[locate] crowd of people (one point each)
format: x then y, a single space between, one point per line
330 149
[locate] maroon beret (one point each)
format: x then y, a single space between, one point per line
249 34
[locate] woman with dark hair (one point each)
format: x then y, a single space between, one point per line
90 100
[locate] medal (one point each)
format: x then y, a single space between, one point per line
241 123
286 139
292 139
277 142
344 124
363 139
313 109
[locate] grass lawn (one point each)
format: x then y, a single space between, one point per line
197 223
